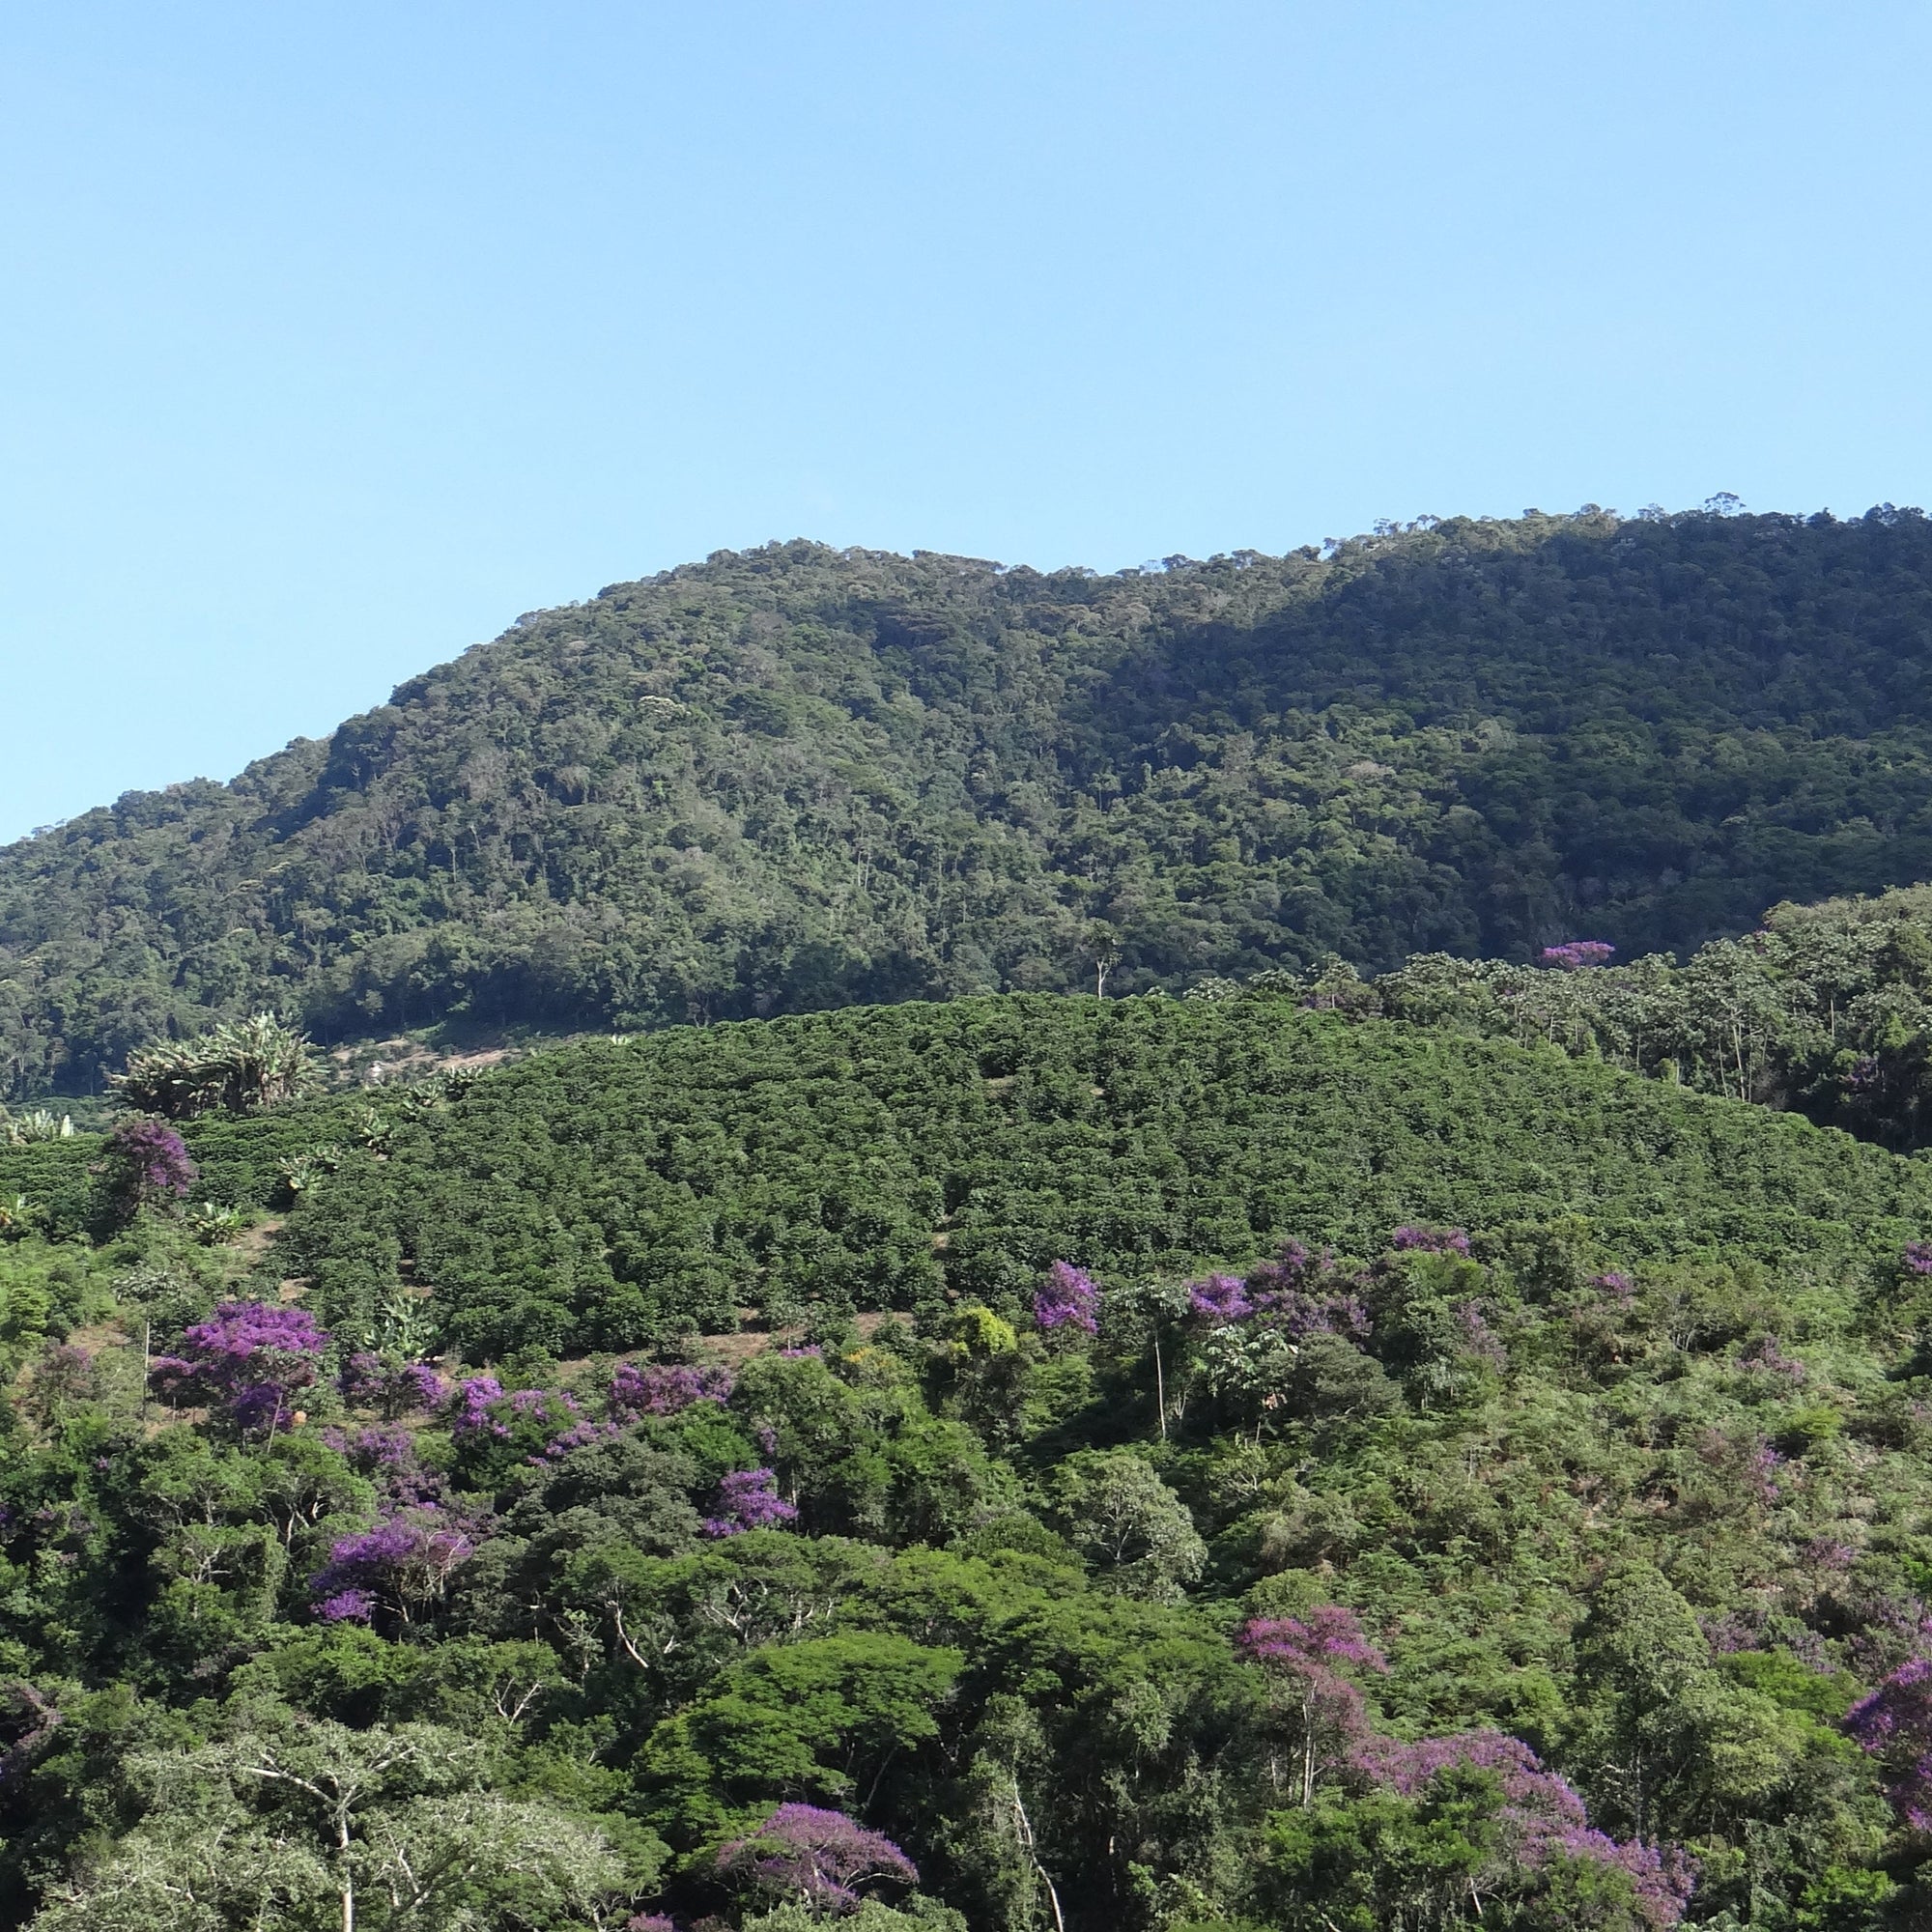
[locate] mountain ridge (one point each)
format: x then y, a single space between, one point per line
797 777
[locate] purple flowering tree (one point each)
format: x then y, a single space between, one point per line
388 1457
391 1387
402 1567
1575 954
663 1388
248 1361
1916 1257
1766 1357
1305 1656
748 1499
1219 1298
493 1430
146 1164
1541 1820
1068 1299
822 1858
1894 1725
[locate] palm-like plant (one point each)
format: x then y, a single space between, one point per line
240 1067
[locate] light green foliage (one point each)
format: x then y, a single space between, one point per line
915 1915
279 1829
238 1068
1116 1511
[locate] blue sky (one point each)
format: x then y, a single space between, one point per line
334 337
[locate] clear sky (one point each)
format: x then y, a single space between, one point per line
334 337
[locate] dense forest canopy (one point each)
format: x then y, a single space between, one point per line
795 778
1171 1466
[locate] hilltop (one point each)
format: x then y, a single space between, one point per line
798 778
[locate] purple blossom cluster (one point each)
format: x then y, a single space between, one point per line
1068 1299
148 1161
1294 1291
543 1424
1325 1636
1220 1297
748 1499
402 1565
1575 953
388 1457
1543 1820
248 1359
470 1403
1916 1257
1760 1472
1894 1724
1826 1552
822 1858
579 1435
1615 1286
1478 1337
1306 1656
1430 1242
664 1388
395 1388
1766 1357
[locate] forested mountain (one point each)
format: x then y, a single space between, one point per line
795 778
1168 1466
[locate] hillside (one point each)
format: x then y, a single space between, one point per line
1556 1554
910 1157
797 778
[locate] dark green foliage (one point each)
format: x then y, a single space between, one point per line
798 778
1825 1008
886 1157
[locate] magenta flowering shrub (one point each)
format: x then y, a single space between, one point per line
402 1565
664 1388
1479 1340
1068 1299
748 1499
822 1858
1615 1284
246 1361
1575 953
1894 1724
146 1163
1916 1257
1541 1819
470 1403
